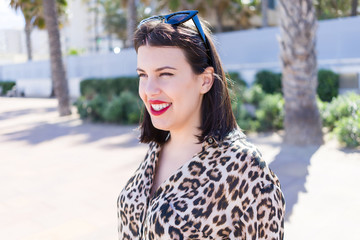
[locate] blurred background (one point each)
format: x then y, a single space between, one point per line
69 108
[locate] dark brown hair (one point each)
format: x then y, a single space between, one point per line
217 118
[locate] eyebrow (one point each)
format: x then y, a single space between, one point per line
158 69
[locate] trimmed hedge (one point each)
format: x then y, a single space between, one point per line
328 85
6 86
112 100
125 108
269 81
108 87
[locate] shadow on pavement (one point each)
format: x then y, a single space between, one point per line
19 113
93 132
291 166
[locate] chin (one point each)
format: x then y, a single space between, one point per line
161 125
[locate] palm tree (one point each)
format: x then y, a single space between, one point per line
114 20
57 67
264 7
219 8
131 21
354 7
31 12
34 17
298 38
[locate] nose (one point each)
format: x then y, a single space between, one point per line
152 87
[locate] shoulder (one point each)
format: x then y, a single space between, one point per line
241 164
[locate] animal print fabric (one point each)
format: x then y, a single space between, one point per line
226 191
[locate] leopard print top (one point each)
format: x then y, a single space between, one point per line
224 192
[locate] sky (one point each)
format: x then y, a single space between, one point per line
9 19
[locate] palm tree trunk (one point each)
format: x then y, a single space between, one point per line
297 45
131 22
57 67
219 25
354 6
264 7
28 40
96 26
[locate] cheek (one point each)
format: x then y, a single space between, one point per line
141 91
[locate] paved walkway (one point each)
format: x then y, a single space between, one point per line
60 177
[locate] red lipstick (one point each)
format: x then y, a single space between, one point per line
161 111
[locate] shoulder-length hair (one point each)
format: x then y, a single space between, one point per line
217 118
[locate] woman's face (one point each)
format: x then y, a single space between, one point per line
170 90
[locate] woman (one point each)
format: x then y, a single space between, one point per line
200 179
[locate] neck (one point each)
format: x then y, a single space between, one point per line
184 137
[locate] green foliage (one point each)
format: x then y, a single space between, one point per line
270 113
81 105
270 82
6 86
236 86
108 87
341 107
111 100
243 117
347 130
327 9
91 109
75 51
254 95
236 79
262 112
114 18
342 117
95 107
328 85
123 109
34 13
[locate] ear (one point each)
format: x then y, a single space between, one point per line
207 80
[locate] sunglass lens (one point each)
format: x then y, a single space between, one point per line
178 18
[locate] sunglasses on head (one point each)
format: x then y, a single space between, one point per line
177 18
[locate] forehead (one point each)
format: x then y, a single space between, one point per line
152 57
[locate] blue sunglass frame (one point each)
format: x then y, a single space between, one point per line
191 14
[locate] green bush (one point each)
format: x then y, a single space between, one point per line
110 100
270 113
108 87
342 117
81 105
236 79
341 107
6 86
328 85
244 119
347 130
91 109
95 107
254 95
270 82
123 109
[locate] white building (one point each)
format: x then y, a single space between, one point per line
77 33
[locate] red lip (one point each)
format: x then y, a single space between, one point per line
158 113
156 102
